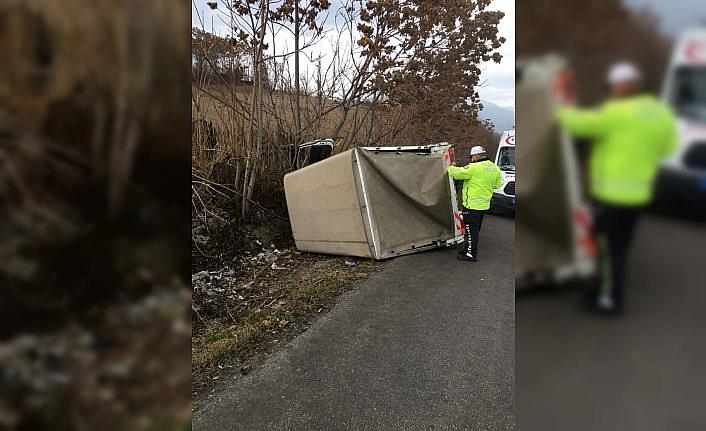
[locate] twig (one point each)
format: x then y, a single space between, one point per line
207 181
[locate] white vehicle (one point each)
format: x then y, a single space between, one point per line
684 89
504 197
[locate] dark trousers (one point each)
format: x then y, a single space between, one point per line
472 221
615 226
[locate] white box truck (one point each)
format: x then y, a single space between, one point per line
375 202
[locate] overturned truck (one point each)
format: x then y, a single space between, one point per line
554 237
375 202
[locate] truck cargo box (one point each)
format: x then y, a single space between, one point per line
553 229
375 202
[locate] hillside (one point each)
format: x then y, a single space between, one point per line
502 118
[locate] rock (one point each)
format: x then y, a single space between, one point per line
321 264
270 257
200 276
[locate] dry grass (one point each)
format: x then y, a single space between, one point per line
279 303
92 130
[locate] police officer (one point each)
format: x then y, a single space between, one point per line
480 178
630 133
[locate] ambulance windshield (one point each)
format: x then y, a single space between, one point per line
506 159
689 93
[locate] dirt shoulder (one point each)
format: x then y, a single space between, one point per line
253 303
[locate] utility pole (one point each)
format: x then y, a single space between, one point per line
297 108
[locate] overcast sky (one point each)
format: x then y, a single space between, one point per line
675 15
497 80
499 86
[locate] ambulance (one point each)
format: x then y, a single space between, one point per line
683 175
503 199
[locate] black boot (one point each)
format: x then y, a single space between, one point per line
466 257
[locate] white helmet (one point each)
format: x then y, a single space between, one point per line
623 71
477 150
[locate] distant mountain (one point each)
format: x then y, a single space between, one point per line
502 118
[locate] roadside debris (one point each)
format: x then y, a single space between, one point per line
259 295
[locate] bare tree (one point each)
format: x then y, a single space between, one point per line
379 72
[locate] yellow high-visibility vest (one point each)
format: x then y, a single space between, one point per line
479 181
630 137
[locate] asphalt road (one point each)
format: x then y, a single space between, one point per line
643 371
426 344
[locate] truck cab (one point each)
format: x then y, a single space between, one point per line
684 89
503 199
